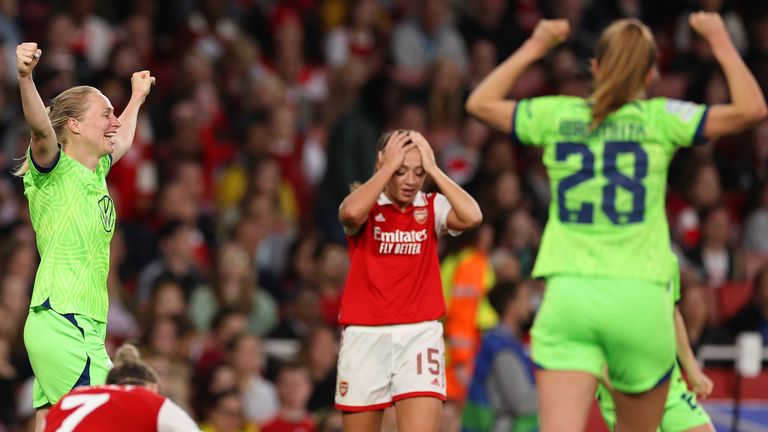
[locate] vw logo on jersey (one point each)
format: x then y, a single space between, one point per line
107 208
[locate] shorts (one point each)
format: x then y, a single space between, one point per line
66 351
586 323
380 365
681 410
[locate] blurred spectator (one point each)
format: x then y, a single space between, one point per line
332 267
733 23
753 317
755 235
226 414
503 395
358 36
421 39
93 37
294 387
260 400
702 191
318 352
494 21
226 325
177 260
234 285
301 314
714 258
695 307
467 276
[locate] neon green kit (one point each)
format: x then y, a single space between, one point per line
607 227
74 218
681 410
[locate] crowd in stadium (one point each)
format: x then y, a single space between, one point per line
264 112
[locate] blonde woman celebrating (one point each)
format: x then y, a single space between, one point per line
74 143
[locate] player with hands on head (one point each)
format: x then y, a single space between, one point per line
74 143
605 251
392 350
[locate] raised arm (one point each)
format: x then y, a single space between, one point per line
747 106
700 383
141 83
356 206
465 212
488 102
44 144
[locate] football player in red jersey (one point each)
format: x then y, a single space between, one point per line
128 402
392 349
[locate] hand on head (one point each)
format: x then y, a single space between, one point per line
27 57
427 154
141 83
394 153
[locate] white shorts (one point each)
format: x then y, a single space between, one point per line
380 365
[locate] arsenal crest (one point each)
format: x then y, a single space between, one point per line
343 388
420 215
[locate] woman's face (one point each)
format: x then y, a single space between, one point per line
407 181
99 125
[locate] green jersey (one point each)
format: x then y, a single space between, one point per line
74 219
607 216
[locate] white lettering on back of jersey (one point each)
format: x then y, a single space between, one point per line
399 242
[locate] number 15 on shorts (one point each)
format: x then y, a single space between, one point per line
430 362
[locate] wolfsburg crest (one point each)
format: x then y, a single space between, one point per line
107 208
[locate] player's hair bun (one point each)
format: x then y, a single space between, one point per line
127 353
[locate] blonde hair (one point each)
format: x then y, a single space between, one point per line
625 52
130 369
71 103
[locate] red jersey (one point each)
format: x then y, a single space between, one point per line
116 408
394 275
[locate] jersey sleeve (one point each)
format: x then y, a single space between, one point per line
39 174
679 122
172 418
442 208
532 119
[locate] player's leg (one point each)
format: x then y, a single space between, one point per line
418 384
40 414
606 405
363 388
419 414
682 411
565 398
567 354
640 351
640 412
58 355
366 421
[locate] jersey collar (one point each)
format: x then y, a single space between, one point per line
419 201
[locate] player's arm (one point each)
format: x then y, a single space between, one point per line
43 143
747 106
488 102
465 212
700 383
355 208
172 418
141 83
